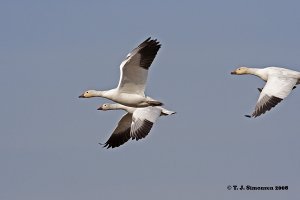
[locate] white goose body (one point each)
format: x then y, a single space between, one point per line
135 124
279 84
133 78
128 99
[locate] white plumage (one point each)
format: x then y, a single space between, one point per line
133 78
135 124
279 84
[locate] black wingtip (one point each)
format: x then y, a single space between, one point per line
105 145
259 89
143 130
249 116
267 103
101 144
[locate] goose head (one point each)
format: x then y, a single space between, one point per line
104 107
240 71
88 94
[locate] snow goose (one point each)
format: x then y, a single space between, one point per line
279 84
133 77
135 124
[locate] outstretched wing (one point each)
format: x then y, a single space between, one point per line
134 69
275 90
121 133
142 121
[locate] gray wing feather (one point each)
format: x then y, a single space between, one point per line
121 133
142 129
275 90
265 104
143 120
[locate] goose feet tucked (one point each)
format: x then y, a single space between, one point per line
154 103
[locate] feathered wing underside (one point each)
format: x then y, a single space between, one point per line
121 133
134 69
142 129
142 121
275 90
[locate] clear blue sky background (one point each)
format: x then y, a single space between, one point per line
51 51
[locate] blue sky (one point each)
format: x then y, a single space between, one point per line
51 51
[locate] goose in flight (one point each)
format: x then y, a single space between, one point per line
133 77
135 124
279 84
